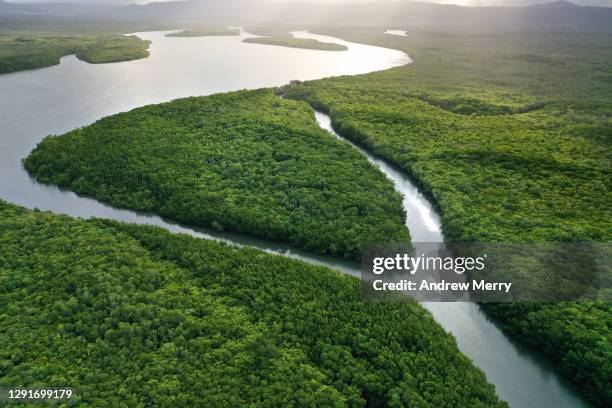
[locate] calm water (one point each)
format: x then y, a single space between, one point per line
57 99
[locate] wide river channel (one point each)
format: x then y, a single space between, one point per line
54 100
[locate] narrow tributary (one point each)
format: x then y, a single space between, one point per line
521 377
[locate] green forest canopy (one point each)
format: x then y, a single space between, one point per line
511 135
246 161
134 315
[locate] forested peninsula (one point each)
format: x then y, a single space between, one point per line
283 37
245 161
34 50
291 42
135 315
511 137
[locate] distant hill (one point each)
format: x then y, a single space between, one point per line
392 13
73 9
12 8
57 9
554 5
558 14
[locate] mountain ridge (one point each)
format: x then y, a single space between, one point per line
559 13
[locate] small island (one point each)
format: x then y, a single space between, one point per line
207 32
292 42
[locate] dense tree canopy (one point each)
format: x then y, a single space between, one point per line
510 134
245 161
133 315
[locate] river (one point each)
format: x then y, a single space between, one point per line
57 99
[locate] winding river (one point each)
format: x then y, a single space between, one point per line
57 99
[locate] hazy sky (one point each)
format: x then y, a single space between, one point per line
460 2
